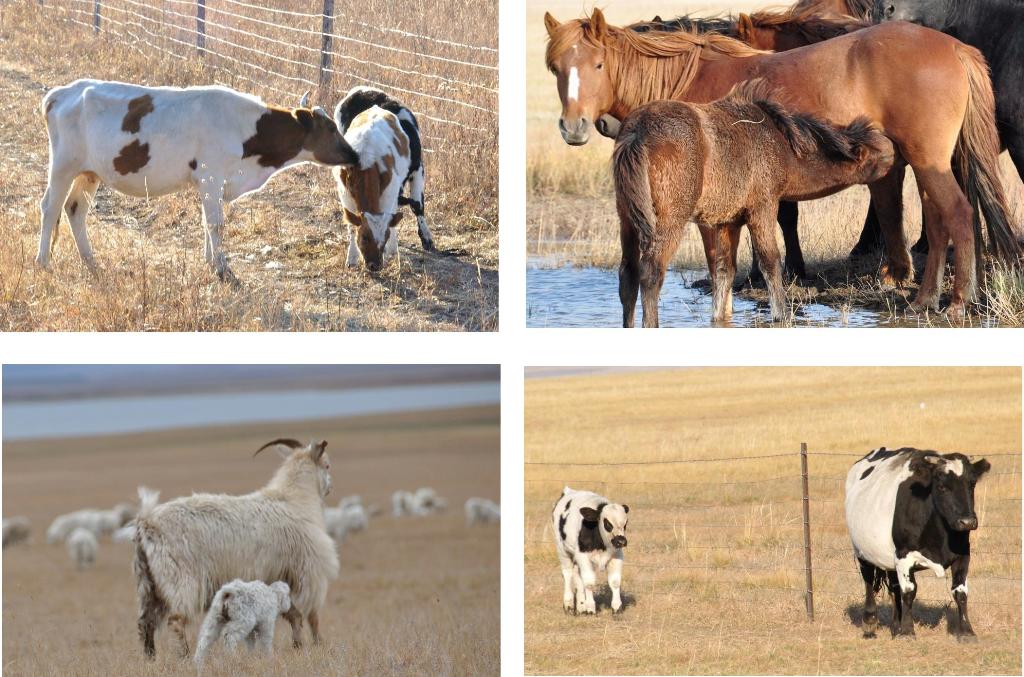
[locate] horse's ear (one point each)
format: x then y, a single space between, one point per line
598 24
744 26
550 23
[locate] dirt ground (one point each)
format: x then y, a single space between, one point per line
415 596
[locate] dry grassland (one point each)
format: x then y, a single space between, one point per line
415 596
153 275
714 572
572 216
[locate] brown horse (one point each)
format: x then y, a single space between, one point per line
793 28
721 165
925 90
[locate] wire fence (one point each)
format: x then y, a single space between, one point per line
777 533
449 80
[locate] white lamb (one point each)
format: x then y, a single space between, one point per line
243 610
16 530
426 501
482 511
82 547
99 522
345 518
401 503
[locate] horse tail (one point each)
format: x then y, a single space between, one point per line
976 157
632 185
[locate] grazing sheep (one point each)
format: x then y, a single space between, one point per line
243 610
186 549
345 518
125 534
16 530
482 511
99 522
401 503
426 501
82 547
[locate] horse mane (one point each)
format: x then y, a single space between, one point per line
725 25
805 133
668 60
858 9
812 26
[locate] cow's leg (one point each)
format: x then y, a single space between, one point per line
77 207
958 572
178 625
870 573
589 581
615 582
391 245
353 250
579 592
893 585
568 599
416 204
907 591
294 617
57 189
212 195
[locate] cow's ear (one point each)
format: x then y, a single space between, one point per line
589 514
922 467
305 118
980 467
626 508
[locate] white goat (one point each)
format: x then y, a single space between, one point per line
99 522
186 549
16 530
482 511
243 610
401 503
82 547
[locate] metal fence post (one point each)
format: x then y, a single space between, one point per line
809 594
201 27
327 33
96 17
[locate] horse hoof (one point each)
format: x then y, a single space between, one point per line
956 311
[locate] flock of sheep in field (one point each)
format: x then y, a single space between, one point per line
237 562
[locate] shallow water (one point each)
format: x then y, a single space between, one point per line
568 296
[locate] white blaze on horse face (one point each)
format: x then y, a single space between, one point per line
574 84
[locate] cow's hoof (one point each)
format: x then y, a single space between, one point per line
967 639
428 245
870 635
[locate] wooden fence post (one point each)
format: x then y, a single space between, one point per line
96 17
201 27
809 594
327 35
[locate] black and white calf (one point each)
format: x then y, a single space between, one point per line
590 534
360 99
908 510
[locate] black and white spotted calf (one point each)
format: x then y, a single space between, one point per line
590 534
360 99
908 510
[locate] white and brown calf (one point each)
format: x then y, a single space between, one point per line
150 141
370 191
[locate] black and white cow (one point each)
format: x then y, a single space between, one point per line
908 510
590 534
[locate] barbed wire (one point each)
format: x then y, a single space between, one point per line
130 21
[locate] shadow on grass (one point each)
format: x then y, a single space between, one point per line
927 615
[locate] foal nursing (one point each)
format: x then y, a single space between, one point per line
721 165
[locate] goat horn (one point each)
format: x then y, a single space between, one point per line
304 102
288 442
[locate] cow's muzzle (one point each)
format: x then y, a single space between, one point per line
619 541
966 523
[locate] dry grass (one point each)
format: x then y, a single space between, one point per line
691 608
415 596
572 215
153 273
